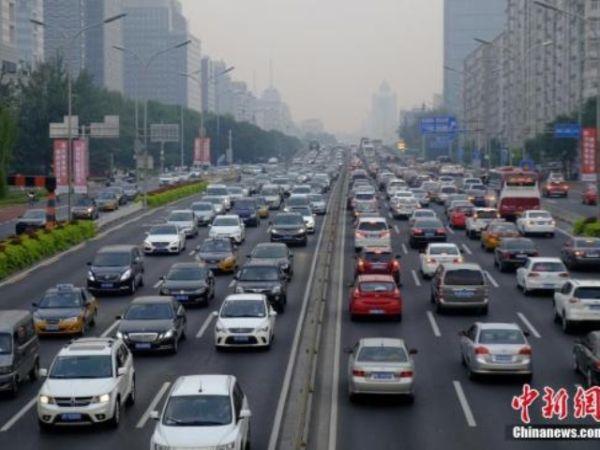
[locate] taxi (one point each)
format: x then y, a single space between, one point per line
218 254
263 207
495 231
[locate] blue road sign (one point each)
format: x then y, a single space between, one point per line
441 124
567 130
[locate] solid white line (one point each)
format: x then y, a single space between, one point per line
467 249
396 229
110 329
464 404
192 253
18 415
566 233
450 230
404 249
390 215
204 326
153 404
529 325
157 284
434 325
231 283
491 278
416 278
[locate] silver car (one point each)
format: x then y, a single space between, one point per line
496 348
204 212
185 219
318 204
381 366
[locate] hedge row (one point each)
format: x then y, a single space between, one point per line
21 252
176 193
587 227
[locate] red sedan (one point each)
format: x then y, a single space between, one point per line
457 217
374 296
378 260
555 188
589 195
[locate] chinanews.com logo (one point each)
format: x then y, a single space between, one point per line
556 404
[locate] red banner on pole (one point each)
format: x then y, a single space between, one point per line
202 151
81 165
61 165
588 155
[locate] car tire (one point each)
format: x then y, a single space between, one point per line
439 308
528 377
566 325
34 372
556 315
131 397
175 347
141 284
116 418
484 310
501 266
472 375
526 292
132 287
45 427
14 387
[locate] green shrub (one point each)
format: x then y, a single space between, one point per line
176 193
592 229
578 227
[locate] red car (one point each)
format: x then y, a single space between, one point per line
590 195
374 296
378 260
555 188
457 217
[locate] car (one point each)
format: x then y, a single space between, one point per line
88 383
65 310
365 208
541 273
221 192
273 252
425 231
163 239
307 216
31 220
216 201
116 269
265 278
296 200
372 232
119 192
458 213
84 208
262 206
421 214
432 188
460 286
589 196
586 358
185 219
247 209
577 302
436 254
318 204
245 320
444 192
581 252
272 193
555 188
204 212
495 231
536 222
381 366
130 192
422 197
378 260
301 189
480 219
218 254
191 283
375 295
288 228
203 412
107 201
477 195
402 208
153 323
393 185
496 348
228 226
455 200
235 193
513 252
467 182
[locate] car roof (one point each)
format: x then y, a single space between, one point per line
188 265
152 299
117 248
10 317
244 297
376 250
442 245
372 219
87 346
270 244
381 342
203 385
228 216
467 266
261 263
189 211
498 325
372 277
586 282
545 259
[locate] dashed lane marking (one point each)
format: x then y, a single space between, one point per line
434 325
467 249
204 326
110 329
462 399
491 278
416 277
159 395
404 249
7 426
529 325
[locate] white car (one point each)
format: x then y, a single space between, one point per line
421 214
307 216
272 194
89 382
404 207
185 219
216 201
167 238
479 220
203 412
436 254
220 191
578 301
245 320
372 232
401 194
204 212
536 222
541 273
228 226
394 185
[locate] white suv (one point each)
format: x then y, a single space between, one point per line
203 412
88 382
479 220
578 301
372 232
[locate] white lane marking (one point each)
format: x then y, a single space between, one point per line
404 249
491 278
396 229
434 325
464 403
529 325
415 277
153 404
192 253
566 233
110 329
18 415
204 326
157 284
467 249
390 215
450 230
551 201
231 283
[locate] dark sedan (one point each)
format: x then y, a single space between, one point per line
288 228
33 219
586 358
477 195
273 253
581 252
425 231
267 279
153 323
116 269
247 209
85 208
513 252
189 283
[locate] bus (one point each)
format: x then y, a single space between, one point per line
519 192
495 177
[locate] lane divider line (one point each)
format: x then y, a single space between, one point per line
192 253
157 284
231 283
492 280
416 277
159 395
434 325
404 249
529 325
390 215
467 249
462 399
14 419
450 230
396 229
110 329
204 326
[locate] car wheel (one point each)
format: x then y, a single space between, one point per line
131 396
132 287
484 310
565 323
556 315
526 292
472 375
34 372
93 319
175 347
501 267
439 308
116 418
14 386
463 361
141 284
528 377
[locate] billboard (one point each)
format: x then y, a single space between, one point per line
588 155
61 165
81 165
202 151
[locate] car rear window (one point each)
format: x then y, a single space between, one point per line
549 267
588 243
377 286
506 337
447 250
372 226
378 256
487 214
587 293
464 277
382 354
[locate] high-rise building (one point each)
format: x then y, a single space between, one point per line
93 51
9 56
383 118
465 20
30 37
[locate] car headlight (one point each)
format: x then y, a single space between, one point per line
126 275
263 329
90 275
276 290
228 446
274 231
167 334
46 400
239 290
301 230
174 243
104 398
219 327
71 319
147 244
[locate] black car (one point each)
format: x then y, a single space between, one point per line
273 253
247 209
116 269
153 323
189 283
425 231
31 220
477 195
581 252
85 208
288 228
513 252
267 279
586 357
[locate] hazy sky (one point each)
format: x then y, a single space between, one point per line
328 55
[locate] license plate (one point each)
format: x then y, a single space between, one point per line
548 285
143 346
71 417
106 285
595 307
182 298
464 294
382 376
240 339
51 327
429 234
377 311
521 255
503 358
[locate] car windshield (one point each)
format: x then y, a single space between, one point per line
35 214
444 250
377 286
186 274
270 251
82 366
225 222
106 196
297 201
303 210
364 196
365 206
202 207
5 344
382 354
258 273
112 259
243 308
61 299
235 190
540 215
464 277
448 190
477 187
84 202
316 198
245 204
588 243
270 191
549 266
181 217
149 311
505 337
518 244
377 256
587 292
163 229
217 191
198 410
216 246
288 220
487 214
420 214
213 200
504 228
428 224
372 226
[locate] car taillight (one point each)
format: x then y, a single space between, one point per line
395 264
441 231
578 253
361 263
533 275
417 231
404 374
431 260
359 235
525 351
359 373
482 351
356 293
457 260
563 275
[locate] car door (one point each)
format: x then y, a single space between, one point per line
238 405
521 271
180 318
561 298
123 360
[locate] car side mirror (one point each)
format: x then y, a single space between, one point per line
348 350
34 304
526 333
215 313
154 415
413 351
121 371
245 414
43 372
119 317
162 278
